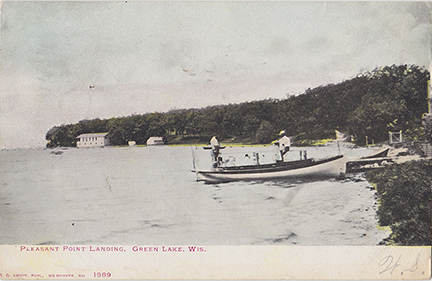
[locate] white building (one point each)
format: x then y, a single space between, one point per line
93 140
155 141
132 143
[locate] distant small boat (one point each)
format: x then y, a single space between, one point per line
57 151
379 154
309 168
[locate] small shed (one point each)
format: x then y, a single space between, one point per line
155 141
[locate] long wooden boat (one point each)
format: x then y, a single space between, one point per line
309 168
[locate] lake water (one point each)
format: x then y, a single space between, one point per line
148 195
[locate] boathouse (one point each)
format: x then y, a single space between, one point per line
155 141
93 140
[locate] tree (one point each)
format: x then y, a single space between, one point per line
117 132
60 136
251 125
427 126
265 133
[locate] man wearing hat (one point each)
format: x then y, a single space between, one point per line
284 144
215 147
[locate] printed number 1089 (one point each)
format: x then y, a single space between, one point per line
102 274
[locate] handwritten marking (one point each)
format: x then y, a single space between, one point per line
414 267
388 262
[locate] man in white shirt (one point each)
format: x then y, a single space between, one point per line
215 147
283 144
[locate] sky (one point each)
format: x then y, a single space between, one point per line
62 62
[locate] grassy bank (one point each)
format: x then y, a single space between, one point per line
313 142
204 140
404 192
175 141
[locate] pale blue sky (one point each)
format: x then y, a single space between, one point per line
155 56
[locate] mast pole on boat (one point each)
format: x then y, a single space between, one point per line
193 160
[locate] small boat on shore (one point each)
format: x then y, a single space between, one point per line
363 165
378 154
375 160
308 168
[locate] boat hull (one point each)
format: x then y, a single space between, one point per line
378 154
329 167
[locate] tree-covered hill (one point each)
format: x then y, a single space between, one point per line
391 98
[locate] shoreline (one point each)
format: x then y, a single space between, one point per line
397 186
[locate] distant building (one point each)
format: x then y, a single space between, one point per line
93 140
155 141
132 143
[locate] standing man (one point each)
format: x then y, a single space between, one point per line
215 147
283 144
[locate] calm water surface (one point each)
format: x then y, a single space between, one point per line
148 195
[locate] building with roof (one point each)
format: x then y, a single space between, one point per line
93 140
155 141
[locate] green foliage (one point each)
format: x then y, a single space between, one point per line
392 98
265 133
427 124
395 100
405 193
60 136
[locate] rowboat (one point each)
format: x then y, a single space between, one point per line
378 154
308 168
375 160
366 164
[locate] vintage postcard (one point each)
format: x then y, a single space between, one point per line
215 140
